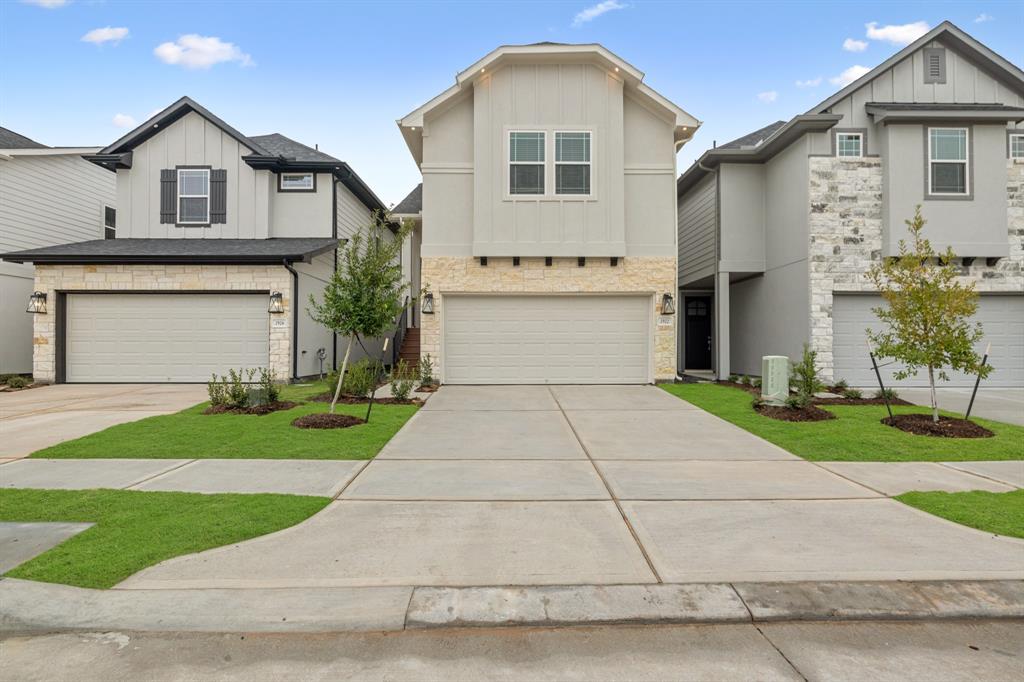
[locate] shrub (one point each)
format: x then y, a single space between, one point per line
734 378
756 382
426 371
841 385
805 375
888 393
745 380
17 381
237 387
402 378
235 390
268 384
217 390
361 378
852 394
798 401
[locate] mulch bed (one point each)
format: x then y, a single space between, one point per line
948 427
258 409
355 400
326 420
428 388
792 414
743 387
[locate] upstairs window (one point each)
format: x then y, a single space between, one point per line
526 163
194 196
849 145
297 182
1017 146
572 163
947 161
109 222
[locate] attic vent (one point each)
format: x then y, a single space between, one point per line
934 65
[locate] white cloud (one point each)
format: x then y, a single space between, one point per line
768 96
897 34
194 51
124 121
47 4
809 83
854 45
594 11
108 34
982 18
849 75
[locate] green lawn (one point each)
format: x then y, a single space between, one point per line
999 513
136 529
856 435
192 434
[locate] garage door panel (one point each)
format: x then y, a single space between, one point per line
1002 318
547 339
163 337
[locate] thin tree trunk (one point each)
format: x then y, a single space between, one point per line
935 401
341 375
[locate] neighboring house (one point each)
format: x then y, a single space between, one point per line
548 219
777 230
48 196
221 238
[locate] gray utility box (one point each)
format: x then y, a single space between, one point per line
774 379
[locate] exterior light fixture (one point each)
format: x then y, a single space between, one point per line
276 303
428 304
668 305
37 303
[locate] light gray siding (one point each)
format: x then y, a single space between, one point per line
302 214
352 215
742 209
698 211
313 277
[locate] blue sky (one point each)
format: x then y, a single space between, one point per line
339 74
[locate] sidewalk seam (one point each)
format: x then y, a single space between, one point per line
779 651
949 466
147 479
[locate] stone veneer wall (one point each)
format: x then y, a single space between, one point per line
448 275
183 278
846 239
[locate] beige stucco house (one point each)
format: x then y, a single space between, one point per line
221 239
546 219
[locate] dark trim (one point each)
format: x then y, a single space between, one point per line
164 291
177 198
112 162
295 320
271 259
282 173
60 331
334 235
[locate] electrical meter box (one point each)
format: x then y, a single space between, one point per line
774 379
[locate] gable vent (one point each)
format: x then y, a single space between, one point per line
934 65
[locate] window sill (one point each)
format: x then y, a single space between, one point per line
550 197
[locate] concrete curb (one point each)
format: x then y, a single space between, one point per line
32 607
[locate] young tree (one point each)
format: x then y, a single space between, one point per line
366 292
928 316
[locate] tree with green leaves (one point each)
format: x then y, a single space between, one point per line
929 312
366 292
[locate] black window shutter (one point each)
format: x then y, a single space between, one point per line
168 196
218 196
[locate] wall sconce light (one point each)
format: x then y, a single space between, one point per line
668 305
37 303
276 303
428 304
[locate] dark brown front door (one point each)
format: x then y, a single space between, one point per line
698 332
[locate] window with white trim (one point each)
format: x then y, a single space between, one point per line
849 145
526 162
193 196
1017 146
947 161
572 163
296 182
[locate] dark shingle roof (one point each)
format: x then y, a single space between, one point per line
279 145
247 251
411 204
752 139
12 140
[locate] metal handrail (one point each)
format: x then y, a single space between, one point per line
399 336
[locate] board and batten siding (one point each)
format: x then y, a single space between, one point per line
698 219
192 140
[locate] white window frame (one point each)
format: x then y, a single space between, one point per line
509 163
310 188
860 145
193 196
557 163
966 162
1019 136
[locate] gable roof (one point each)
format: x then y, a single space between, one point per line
12 140
277 144
755 138
412 204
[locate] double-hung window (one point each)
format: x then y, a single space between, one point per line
526 162
572 163
849 145
1017 146
948 161
194 196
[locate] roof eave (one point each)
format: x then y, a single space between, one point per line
112 162
887 116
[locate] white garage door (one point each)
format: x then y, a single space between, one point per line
163 337
1002 318
547 339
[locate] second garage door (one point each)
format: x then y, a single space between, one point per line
164 337
547 339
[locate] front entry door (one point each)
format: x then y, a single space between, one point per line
698 332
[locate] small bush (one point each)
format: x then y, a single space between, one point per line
798 401
17 381
236 389
841 385
403 376
756 382
361 378
217 390
889 393
734 378
852 394
426 371
805 375
268 384
745 380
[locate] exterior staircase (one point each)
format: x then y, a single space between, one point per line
410 350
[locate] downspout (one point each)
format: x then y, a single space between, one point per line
334 235
295 318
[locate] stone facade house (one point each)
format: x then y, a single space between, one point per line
546 219
220 240
778 229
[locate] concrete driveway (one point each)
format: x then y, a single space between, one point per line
571 485
41 417
1000 404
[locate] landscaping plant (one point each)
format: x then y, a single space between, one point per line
403 376
217 390
852 394
17 381
928 315
361 379
889 394
840 385
366 292
268 384
426 371
734 378
805 376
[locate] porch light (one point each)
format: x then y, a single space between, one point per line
428 304
37 303
668 305
276 303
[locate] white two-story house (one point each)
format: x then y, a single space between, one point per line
221 239
547 218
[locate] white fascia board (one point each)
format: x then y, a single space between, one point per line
51 151
626 70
